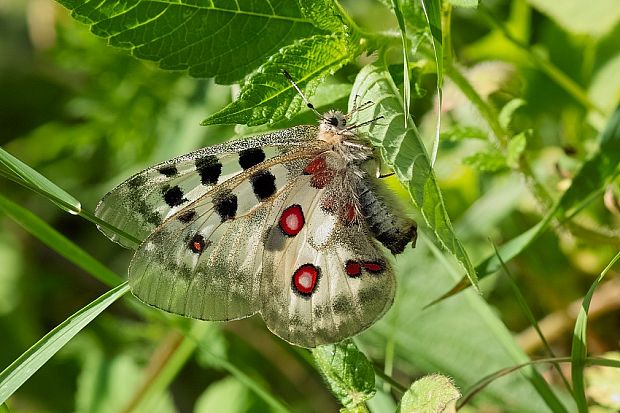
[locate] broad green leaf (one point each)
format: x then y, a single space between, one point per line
267 96
36 356
56 241
222 39
23 174
596 17
348 372
430 394
579 350
404 152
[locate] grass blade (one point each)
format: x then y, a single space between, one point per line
36 356
22 172
579 350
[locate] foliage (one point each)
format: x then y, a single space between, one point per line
511 134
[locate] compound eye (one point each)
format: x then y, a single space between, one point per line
333 121
344 122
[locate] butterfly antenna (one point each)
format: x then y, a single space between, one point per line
358 125
308 103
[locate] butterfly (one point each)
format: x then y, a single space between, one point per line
292 225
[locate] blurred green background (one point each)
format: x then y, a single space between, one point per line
87 116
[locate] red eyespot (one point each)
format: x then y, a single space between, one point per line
353 268
292 220
373 267
305 278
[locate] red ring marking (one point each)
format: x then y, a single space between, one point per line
304 279
373 266
292 220
353 268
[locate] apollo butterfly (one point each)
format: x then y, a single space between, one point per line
286 224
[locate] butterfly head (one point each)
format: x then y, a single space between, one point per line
334 121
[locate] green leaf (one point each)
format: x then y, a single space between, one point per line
595 18
222 39
56 241
36 356
267 96
18 171
430 394
404 152
579 350
491 161
508 110
348 372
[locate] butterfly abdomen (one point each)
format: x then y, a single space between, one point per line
385 218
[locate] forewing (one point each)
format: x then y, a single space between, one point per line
205 261
150 197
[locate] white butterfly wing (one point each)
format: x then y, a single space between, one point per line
316 289
221 265
205 261
150 197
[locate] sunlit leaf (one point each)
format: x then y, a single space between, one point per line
348 372
430 394
221 39
405 153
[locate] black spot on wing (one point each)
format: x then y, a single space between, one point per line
226 206
209 168
168 170
263 184
173 196
187 216
150 216
250 157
